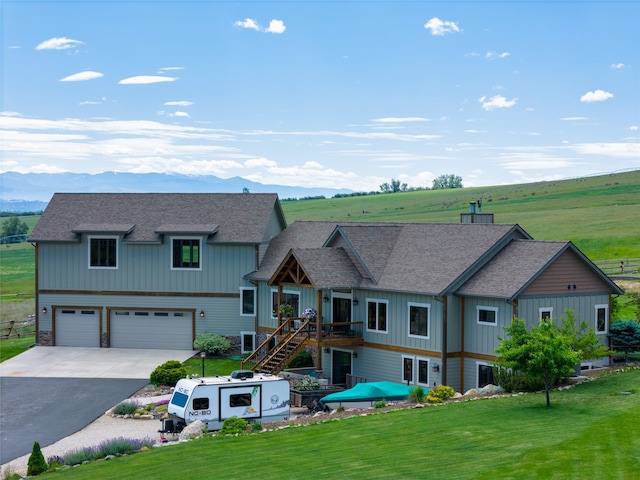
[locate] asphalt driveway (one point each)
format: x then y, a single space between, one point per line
48 393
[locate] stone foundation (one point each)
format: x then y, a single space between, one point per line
45 338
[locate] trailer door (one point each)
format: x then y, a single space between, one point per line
243 401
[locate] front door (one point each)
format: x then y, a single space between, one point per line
341 366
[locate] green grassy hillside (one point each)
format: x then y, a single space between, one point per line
598 214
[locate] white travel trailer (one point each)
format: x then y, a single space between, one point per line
243 394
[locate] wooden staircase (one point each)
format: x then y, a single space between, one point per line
291 341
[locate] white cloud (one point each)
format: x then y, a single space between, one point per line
399 119
497 101
82 76
275 26
145 79
440 27
573 119
619 150
61 43
180 114
617 66
633 128
493 55
164 69
596 96
181 103
247 23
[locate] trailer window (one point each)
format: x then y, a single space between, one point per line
201 403
179 399
240 400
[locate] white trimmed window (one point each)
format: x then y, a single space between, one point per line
419 319
602 319
103 252
545 313
487 315
415 370
248 340
185 253
247 301
377 315
288 297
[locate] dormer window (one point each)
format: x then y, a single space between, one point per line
103 252
185 253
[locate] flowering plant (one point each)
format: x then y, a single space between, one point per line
309 313
286 310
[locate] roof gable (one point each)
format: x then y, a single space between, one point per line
145 217
531 267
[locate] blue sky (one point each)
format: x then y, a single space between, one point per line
323 94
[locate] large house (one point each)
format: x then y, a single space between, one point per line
417 303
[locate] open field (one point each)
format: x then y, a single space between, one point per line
590 432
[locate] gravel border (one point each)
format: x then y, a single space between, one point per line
104 428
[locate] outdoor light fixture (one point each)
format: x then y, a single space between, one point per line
202 313
202 356
355 301
325 299
327 350
355 354
44 310
435 368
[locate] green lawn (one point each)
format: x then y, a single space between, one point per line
590 432
10 347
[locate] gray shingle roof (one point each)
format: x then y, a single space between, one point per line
239 218
328 267
513 268
423 258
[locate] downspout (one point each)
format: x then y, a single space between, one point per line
462 353
37 293
445 315
319 329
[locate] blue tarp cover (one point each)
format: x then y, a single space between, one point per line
370 391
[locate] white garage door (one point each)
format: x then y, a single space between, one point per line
152 329
77 328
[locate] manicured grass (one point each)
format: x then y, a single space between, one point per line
17 270
212 366
10 347
590 432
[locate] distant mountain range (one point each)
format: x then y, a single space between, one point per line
32 191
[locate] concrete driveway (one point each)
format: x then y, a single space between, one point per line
48 393
84 362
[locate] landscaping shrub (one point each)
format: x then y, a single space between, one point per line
127 407
256 426
380 403
123 446
36 464
211 343
417 394
168 373
307 383
440 394
303 359
234 425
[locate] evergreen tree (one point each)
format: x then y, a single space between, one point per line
37 464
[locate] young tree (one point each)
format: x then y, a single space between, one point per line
543 353
583 339
36 464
